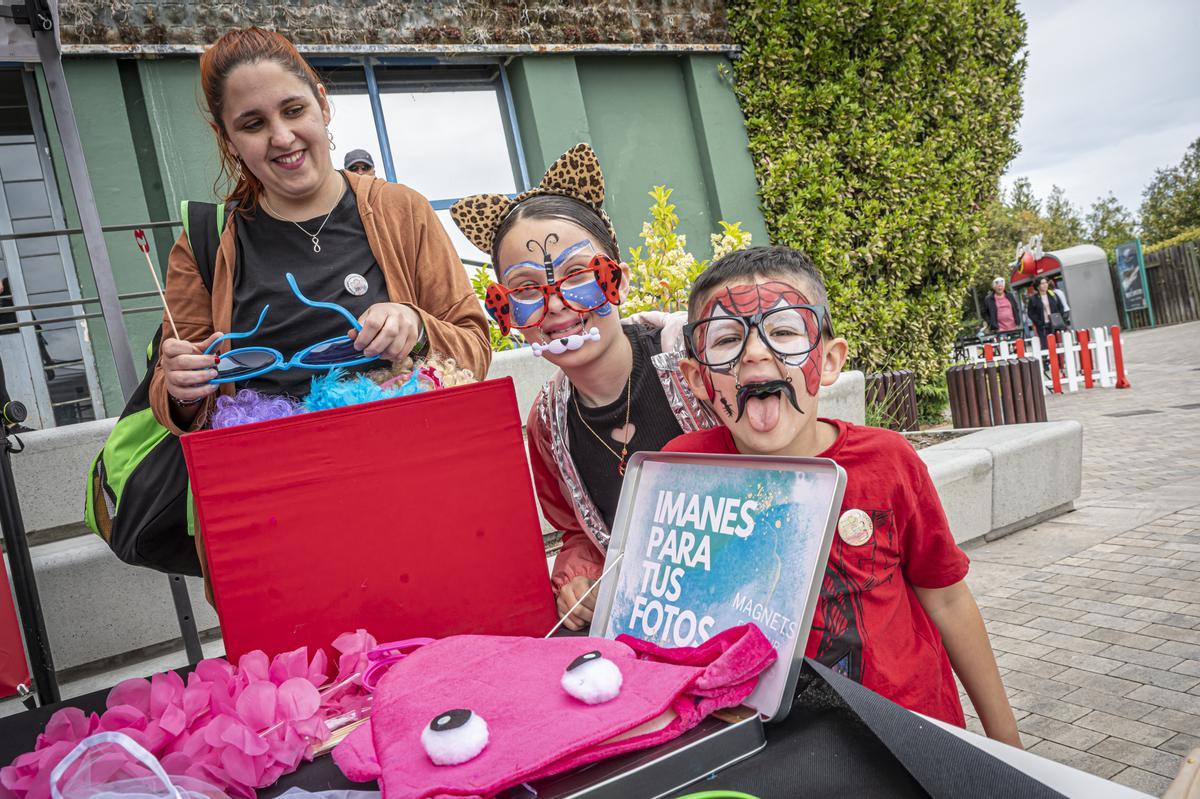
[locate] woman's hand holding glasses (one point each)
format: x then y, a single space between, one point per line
187 369
389 330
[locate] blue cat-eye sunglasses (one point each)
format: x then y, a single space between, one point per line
244 363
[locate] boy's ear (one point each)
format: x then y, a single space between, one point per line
692 373
833 358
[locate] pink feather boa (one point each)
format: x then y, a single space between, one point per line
238 728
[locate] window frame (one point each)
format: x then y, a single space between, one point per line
433 81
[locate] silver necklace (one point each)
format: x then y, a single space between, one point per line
316 241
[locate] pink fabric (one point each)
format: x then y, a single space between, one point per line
238 728
535 728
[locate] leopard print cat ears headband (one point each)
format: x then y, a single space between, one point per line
576 174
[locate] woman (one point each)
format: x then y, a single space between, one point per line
1041 310
372 247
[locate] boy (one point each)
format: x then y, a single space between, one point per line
894 612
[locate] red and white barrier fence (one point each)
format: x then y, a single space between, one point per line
1076 357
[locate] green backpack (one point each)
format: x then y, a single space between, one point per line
138 498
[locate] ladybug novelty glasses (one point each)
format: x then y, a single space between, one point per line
583 290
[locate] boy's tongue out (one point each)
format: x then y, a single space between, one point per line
763 412
763 401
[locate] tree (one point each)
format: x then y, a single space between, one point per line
1171 202
1063 224
1022 198
1109 223
879 132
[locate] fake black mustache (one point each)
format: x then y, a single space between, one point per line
761 390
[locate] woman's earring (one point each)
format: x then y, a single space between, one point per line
329 134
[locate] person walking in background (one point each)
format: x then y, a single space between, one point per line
1045 311
1001 311
360 162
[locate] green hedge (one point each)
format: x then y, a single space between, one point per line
1188 235
879 131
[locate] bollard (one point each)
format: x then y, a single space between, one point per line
1085 357
1035 407
1055 377
1118 358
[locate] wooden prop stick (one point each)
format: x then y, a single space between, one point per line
579 602
139 236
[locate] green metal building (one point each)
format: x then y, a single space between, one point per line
446 117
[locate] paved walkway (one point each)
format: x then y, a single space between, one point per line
1095 615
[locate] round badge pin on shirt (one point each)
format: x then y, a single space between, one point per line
855 527
356 284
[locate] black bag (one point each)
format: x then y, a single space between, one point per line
1057 322
138 497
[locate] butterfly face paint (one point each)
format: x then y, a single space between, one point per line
594 287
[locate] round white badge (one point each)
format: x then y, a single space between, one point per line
855 527
355 284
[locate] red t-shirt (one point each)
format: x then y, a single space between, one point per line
869 624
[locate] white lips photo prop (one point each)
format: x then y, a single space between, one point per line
566 344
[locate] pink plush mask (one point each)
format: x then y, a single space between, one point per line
534 727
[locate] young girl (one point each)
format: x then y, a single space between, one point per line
555 252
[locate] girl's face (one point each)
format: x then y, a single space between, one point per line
522 256
276 126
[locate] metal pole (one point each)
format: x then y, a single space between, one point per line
41 662
385 146
85 201
106 285
187 625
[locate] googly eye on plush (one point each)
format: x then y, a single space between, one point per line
454 737
592 678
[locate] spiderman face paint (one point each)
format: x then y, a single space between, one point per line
778 313
757 351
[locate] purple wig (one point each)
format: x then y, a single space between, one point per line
249 406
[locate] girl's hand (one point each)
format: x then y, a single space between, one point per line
671 324
187 369
568 595
389 330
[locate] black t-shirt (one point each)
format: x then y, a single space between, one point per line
650 415
268 248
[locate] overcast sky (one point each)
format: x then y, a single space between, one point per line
1112 93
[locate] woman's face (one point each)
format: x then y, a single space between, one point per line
277 127
1043 286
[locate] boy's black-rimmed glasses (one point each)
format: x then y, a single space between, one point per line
790 331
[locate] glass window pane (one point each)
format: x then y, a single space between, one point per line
353 128
449 144
465 249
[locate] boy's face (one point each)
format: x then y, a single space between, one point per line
523 254
767 395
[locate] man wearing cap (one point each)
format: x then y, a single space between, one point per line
360 161
1001 311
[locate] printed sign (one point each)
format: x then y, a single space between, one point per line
711 545
1131 273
